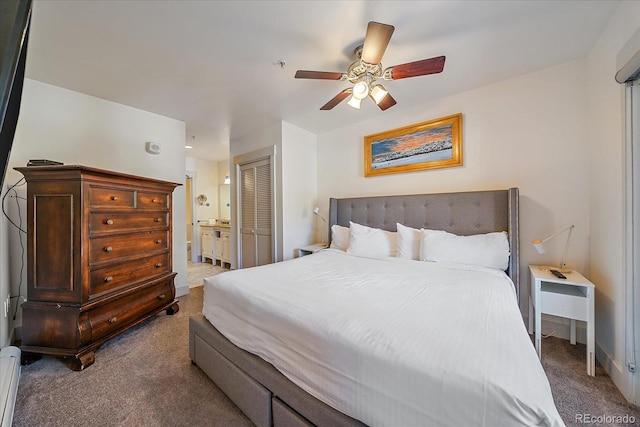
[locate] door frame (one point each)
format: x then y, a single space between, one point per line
195 232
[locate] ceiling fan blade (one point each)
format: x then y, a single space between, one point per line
337 99
376 41
387 102
324 75
416 68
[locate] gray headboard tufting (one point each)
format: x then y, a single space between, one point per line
463 213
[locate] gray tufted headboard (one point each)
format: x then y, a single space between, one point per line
463 213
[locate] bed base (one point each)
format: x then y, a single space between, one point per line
265 396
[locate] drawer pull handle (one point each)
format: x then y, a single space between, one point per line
162 296
108 249
158 241
113 320
108 221
154 200
114 198
108 279
158 265
158 219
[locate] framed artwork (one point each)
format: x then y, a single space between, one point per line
428 145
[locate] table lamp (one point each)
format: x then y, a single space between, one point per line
316 211
539 245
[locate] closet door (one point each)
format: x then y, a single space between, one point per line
256 214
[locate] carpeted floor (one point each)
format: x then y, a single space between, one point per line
577 395
145 378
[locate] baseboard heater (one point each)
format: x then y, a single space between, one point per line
9 377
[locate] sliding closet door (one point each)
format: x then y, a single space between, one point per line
256 213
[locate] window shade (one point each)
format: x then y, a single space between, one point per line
628 60
630 71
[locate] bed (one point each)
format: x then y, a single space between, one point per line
339 338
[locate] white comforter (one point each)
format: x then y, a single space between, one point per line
390 342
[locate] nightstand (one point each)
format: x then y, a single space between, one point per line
572 298
311 249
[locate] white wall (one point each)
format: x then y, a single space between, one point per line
14 268
6 323
223 170
266 137
224 212
74 128
605 141
295 186
527 132
299 188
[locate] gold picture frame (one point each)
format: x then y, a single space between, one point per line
411 148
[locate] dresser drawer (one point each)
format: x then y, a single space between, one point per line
108 197
120 312
114 277
104 222
148 200
113 247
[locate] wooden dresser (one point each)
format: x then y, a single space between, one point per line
99 259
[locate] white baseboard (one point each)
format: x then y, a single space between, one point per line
619 374
182 289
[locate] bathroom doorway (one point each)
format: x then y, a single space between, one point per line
189 192
193 237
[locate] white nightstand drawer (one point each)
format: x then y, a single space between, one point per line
571 306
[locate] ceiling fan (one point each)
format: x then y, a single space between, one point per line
367 69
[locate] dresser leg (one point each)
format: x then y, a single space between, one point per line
29 358
173 309
81 361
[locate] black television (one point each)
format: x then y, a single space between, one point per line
15 16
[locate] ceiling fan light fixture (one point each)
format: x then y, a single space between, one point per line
360 90
354 102
367 69
378 93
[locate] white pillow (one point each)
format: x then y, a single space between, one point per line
485 250
371 242
408 242
339 237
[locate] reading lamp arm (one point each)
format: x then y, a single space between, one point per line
566 247
558 233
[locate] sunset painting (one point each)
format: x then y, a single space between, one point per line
426 145
432 144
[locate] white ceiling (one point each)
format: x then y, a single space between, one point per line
213 64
